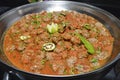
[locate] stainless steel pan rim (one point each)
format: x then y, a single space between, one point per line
19 9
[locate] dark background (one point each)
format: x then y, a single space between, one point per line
112 6
108 3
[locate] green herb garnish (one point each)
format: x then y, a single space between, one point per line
94 60
98 51
36 16
65 24
72 70
24 37
36 22
87 26
43 61
49 15
65 71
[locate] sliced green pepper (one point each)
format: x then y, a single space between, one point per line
87 44
49 46
52 28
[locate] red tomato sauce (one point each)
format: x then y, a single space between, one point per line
58 43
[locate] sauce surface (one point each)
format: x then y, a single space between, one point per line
58 43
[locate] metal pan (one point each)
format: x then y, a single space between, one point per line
110 21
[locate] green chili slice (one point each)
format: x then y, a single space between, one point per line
49 46
52 28
87 44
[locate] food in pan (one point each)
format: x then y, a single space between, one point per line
58 43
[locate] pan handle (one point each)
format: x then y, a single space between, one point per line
11 75
118 77
6 76
117 68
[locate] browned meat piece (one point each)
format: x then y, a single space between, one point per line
71 61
